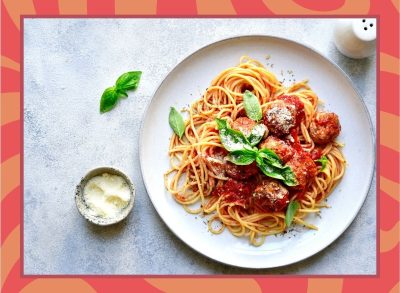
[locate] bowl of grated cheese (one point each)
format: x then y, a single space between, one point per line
105 196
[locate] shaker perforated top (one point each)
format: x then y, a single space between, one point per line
365 28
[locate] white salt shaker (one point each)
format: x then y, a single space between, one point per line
356 38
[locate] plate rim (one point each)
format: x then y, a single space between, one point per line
315 51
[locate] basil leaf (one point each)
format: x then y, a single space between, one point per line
122 93
271 157
242 157
231 139
289 177
176 122
252 106
268 169
128 81
221 123
291 211
256 134
108 99
324 161
270 165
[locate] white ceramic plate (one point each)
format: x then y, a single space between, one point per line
188 80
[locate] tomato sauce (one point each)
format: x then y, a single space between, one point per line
316 154
299 106
298 193
296 142
238 192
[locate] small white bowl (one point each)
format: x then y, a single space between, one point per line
85 210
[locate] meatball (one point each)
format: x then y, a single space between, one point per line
283 114
284 151
244 125
240 172
295 101
303 167
325 127
215 160
280 117
237 192
269 194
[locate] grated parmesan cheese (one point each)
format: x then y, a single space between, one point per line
282 117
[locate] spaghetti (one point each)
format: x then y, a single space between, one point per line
199 176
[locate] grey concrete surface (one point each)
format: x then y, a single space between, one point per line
67 65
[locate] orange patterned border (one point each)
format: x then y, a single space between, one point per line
388 132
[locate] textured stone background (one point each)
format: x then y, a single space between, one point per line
67 65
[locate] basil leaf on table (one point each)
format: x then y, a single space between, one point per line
176 122
122 94
108 99
256 134
291 211
252 106
128 80
324 161
242 157
231 139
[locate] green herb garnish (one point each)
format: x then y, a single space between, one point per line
231 139
270 169
127 81
176 122
252 106
108 99
243 152
242 157
291 211
324 161
256 134
271 157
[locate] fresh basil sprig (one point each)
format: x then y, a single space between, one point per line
324 161
256 134
290 177
231 139
243 152
252 106
291 211
176 122
271 157
274 169
108 99
127 81
242 157
268 169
